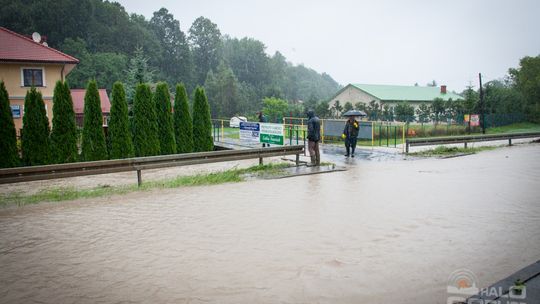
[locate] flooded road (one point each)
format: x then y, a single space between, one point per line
381 232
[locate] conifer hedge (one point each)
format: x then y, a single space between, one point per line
145 130
162 100
183 125
8 135
202 124
119 135
93 138
64 129
36 148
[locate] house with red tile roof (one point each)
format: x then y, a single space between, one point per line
25 62
78 105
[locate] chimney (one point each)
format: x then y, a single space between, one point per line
443 89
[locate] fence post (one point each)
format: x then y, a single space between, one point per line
372 134
322 131
139 178
387 134
465 145
403 137
395 136
406 145
222 131
297 159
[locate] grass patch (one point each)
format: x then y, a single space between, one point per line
72 193
449 151
515 128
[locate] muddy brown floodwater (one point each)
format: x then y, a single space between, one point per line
382 232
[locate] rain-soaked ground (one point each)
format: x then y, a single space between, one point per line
384 231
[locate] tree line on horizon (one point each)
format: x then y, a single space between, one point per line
153 129
236 72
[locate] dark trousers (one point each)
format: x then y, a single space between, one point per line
313 147
350 145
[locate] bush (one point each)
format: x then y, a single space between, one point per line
64 130
183 126
120 143
202 125
93 138
8 135
162 100
36 148
145 129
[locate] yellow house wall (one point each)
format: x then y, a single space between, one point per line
11 74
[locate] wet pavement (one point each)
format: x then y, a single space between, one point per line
386 230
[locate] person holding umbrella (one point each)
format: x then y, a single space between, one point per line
350 132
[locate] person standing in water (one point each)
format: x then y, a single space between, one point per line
262 118
350 134
314 136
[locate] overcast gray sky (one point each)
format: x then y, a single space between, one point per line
378 42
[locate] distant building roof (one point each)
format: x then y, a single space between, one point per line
18 48
404 93
78 100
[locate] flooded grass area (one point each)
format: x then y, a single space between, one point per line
384 231
56 194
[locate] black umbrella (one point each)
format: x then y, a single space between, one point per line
355 113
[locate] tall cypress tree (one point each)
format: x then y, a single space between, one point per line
183 126
64 130
120 143
8 135
202 124
145 129
93 138
162 100
36 148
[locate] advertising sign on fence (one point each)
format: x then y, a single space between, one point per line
249 132
255 132
475 120
271 133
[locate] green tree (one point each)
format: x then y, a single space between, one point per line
423 112
404 112
337 109
526 80
138 72
322 109
36 149
274 108
437 109
347 106
119 135
64 131
162 100
175 63
388 112
373 110
93 139
223 91
202 125
205 39
183 125
145 128
8 135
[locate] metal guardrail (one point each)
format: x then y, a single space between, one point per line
410 142
34 173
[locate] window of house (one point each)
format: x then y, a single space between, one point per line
33 77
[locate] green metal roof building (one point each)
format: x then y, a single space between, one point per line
390 94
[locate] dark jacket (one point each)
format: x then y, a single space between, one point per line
314 127
350 130
262 118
